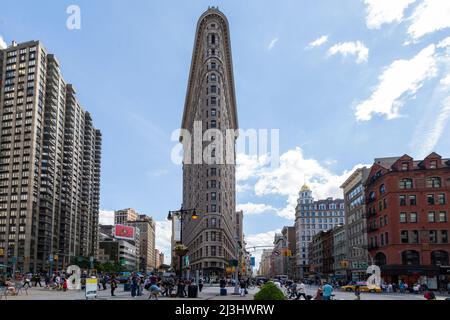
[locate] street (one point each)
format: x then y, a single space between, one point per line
208 293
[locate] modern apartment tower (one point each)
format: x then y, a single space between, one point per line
49 164
209 186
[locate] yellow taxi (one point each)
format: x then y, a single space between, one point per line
363 287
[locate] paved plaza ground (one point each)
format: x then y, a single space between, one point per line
208 293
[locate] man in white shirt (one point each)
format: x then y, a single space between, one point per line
301 291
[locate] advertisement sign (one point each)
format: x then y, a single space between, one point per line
124 232
91 288
252 261
176 229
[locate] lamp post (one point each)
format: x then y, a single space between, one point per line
236 273
181 250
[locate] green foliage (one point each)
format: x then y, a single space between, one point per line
269 291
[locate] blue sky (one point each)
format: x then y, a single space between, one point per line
344 81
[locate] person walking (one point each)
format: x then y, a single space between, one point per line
37 280
200 284
134 285
113 284
357 293
242 285
327 291
319 294
301 291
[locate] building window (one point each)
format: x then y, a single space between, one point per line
442 216
431 216
213 208
413 217
403 217
213 64
432 236
213 196
213 39
430 199
213 112
441 198
433 164
410 258
382 189
213 89
412 200
402 200
404 236
406 184
439 258
414 236
213 124
213 101
434 182
405 166
444 236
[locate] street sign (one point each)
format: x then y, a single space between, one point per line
252 261
50 258
91 288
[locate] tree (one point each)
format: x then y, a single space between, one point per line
269 291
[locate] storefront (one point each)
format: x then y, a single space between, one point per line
444 278
411 275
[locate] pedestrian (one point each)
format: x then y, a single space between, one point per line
242 286
327 291
429 295
200 284
358 293
37 280
319 294
113 284
134 285
301 291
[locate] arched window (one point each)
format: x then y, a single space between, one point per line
406 184
382 189
410 258
213 77
380 259
434 182
439 258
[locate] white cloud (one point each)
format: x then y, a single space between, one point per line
254 208
428 17
272 44
106 217
249 165
164 239
399 80
431 137
444 43
287 179
380 12
351 48
3 44
318 42
445 81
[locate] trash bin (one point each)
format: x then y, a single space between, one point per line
193 291
127 287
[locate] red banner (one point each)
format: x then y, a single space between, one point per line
124 232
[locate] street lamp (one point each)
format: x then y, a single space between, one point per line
181 214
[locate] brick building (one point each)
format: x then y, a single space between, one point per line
407 218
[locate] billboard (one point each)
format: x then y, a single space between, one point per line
124 232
